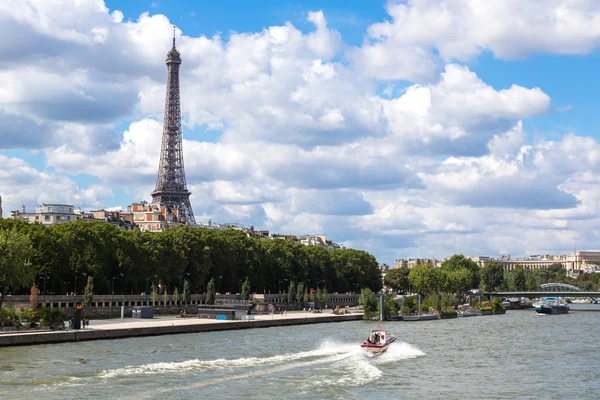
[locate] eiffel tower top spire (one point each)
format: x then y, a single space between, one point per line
171 187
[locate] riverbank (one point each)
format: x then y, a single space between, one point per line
127 328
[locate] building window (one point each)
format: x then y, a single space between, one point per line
70 210
46 217
49 209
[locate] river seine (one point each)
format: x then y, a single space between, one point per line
519 355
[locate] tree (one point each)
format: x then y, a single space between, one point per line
368 303
210 292
425 279
154 294
16 269
410 305
322 297
397 278
33 296
246 290
291 294
165 298
300 293
459 261
518 278
390 307
492 276
176 295
186 292
88 293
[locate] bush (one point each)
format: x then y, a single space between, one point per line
497 306
10 316
409 305
448 313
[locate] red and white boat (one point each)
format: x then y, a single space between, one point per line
378 341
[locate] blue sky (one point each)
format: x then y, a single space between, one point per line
403 128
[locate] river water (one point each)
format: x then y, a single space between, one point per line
517 355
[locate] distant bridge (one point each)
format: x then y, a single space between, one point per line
547 289
544 293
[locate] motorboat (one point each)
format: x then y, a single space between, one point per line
378 341
552 305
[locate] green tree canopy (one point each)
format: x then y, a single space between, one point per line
425 279
492 276
397 278
16 269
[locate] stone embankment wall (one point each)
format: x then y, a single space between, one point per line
32 338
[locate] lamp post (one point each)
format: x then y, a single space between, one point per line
112 296
181 278
75 282
44 278
146 291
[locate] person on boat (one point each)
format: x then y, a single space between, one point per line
369 340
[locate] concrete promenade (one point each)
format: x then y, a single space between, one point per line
168 325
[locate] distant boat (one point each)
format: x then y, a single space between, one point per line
552 305
378 341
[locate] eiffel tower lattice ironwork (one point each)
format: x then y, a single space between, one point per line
171 188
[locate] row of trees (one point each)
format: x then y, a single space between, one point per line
460 274
58 258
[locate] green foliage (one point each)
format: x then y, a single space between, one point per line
186 294
210 292
390 307
246 290
300 293
16 269
322 297
176 296
410 305
497 306
425 279
448 301
468 267
88 293
103 251
492 276
291 293
448 313
368 303
166 297
431 301
154 294
397 278
9 316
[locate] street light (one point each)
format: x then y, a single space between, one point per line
75 283
44 278
112 296
278 288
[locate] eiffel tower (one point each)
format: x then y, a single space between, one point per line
171 188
